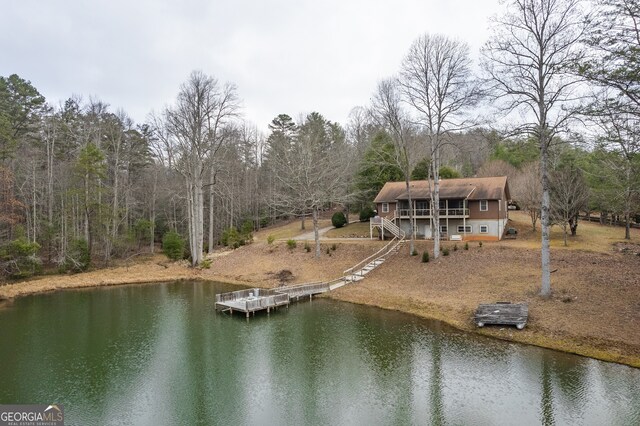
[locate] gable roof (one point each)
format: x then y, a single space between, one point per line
487 188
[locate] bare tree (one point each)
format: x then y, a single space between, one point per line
387 112
569 196
437 81
527 191
195 125
620 134
312 170
528 59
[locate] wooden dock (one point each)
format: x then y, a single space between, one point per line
502 313
251 300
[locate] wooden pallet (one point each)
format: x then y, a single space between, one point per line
502 313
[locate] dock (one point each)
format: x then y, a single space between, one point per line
250 300
502 313
259 299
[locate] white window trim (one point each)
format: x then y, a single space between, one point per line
461 229
385 207
486 205
486 229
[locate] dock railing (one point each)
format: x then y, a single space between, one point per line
382 252
304 289
243 294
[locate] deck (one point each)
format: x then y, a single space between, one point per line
250 300
258 299
502 313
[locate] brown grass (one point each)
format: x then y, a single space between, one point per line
352 230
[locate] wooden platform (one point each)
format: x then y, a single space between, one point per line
502 313
250 301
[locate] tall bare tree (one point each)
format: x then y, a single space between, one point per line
437 81
312 170
528 59
387 112
195 126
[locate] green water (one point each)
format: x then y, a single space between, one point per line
159 354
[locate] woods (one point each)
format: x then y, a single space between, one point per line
554 107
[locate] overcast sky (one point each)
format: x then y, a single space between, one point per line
285 56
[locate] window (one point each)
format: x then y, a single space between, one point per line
484 229
385 207
484 205
464 229
443 229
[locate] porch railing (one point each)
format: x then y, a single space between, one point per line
404 213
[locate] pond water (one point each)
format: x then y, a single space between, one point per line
160 354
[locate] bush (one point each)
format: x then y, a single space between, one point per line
414 252
333 247
141 232
425 257
292 244
206 263
246 231
270 239
455 247
366 214
466 246
307 247
19 258
445 251
479 243
78 257
232 238
338 219
173 245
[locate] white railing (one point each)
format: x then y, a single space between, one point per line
404 213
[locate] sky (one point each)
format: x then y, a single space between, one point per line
284 56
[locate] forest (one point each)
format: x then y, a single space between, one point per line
554 104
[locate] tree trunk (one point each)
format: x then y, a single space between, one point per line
211 213
545 216
316 234
411 225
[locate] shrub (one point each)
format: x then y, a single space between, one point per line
338 219
270 239
173 245
466 246
246 231
78 257
414 252
328 251
307 247
445 251
333 247
455 247
141 232
232 238
19 258
479 243
425 257
206 263
366 214
292 244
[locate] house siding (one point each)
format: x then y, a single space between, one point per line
391 213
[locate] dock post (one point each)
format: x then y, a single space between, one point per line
247 314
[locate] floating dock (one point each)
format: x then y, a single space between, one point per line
502 313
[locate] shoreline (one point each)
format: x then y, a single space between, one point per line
176 272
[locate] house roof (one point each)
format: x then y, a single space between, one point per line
487 188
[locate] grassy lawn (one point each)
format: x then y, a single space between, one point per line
352 230
288 230
591 236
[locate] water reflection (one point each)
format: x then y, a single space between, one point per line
159 354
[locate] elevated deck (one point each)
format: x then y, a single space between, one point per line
502 313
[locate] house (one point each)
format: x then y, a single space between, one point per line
470 208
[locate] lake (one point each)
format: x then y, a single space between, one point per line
159 354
